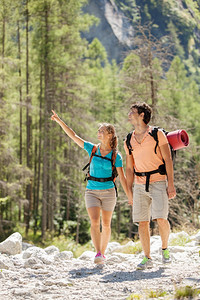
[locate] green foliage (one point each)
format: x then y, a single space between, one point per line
129 8
180 240
186 292
4 200
134 297
156 294
127 249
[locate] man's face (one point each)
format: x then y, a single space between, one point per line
133 114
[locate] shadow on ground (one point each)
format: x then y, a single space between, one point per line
119 276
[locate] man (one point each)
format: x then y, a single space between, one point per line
152 186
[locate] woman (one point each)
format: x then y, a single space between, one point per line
100 197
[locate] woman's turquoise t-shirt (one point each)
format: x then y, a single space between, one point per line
101 168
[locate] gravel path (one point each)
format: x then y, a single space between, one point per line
51 276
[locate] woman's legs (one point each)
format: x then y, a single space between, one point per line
106 229
94 215
100 239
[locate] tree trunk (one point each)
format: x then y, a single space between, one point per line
20 109
20 95
45 199
28 128
78 218
39 159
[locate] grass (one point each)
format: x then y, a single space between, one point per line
148 295
156 294
134 249
186 292
134 297
180 240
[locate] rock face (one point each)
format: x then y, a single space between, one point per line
114 30
12 245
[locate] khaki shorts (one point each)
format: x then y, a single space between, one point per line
150 204
105 199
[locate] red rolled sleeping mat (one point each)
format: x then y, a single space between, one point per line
178 139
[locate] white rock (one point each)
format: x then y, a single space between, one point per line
111 261
12 245
26 246
124 248
64 255
33 251
51 250
87 255
32 261
39 254
176 249
190 244
182 234
5 262
155 244
121 257
197 238
112 246
60 282
32 264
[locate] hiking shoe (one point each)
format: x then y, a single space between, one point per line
99 258
146 263
103 259
166 256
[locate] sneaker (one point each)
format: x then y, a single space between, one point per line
99 258
103 259
166 256
146 263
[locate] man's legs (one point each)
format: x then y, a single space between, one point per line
164 230
144 234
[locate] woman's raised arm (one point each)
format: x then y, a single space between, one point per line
79 141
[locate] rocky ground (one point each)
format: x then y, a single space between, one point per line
34 273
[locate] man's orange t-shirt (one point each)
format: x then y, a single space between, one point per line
145 158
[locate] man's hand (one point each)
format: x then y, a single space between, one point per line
171 191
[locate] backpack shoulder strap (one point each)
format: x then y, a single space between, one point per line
94 149
128 142
154 134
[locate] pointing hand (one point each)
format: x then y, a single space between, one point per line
55 117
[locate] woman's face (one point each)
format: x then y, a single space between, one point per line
103 134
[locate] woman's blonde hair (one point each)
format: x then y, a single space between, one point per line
111 130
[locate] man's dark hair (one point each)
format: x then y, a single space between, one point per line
143 107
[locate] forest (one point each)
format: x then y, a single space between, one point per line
45 64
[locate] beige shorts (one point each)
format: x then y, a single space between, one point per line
152 204
105 199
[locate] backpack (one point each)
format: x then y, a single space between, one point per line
114 170
161 169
